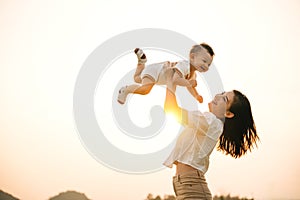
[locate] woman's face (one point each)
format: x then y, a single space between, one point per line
220 105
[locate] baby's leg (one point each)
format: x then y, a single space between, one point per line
137 75
143 89
142 59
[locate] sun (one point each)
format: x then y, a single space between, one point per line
172 120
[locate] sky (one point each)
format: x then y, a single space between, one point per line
45 43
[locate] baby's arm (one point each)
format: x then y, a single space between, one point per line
191 84
178 79
195 94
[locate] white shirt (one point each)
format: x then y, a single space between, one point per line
184 67
196 142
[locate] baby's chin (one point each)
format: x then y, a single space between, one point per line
199 69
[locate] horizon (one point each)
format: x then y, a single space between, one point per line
154 195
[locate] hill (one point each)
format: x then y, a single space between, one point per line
6 196
70 195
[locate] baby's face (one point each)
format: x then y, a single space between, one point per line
201 60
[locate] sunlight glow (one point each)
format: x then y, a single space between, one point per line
173 117
45 43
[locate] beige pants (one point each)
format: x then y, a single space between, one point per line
191 186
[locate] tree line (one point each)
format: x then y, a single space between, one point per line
172 197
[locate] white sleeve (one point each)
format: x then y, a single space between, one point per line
197 120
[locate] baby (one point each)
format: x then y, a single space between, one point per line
183 72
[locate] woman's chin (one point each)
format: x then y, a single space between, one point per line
209 106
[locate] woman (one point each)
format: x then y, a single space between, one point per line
229 123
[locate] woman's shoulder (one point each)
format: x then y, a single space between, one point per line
211 118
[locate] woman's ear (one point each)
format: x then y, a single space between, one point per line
229 114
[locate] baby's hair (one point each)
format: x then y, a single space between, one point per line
198 47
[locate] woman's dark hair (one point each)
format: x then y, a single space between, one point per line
239 133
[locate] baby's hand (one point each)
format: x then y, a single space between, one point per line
199 98
193 83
